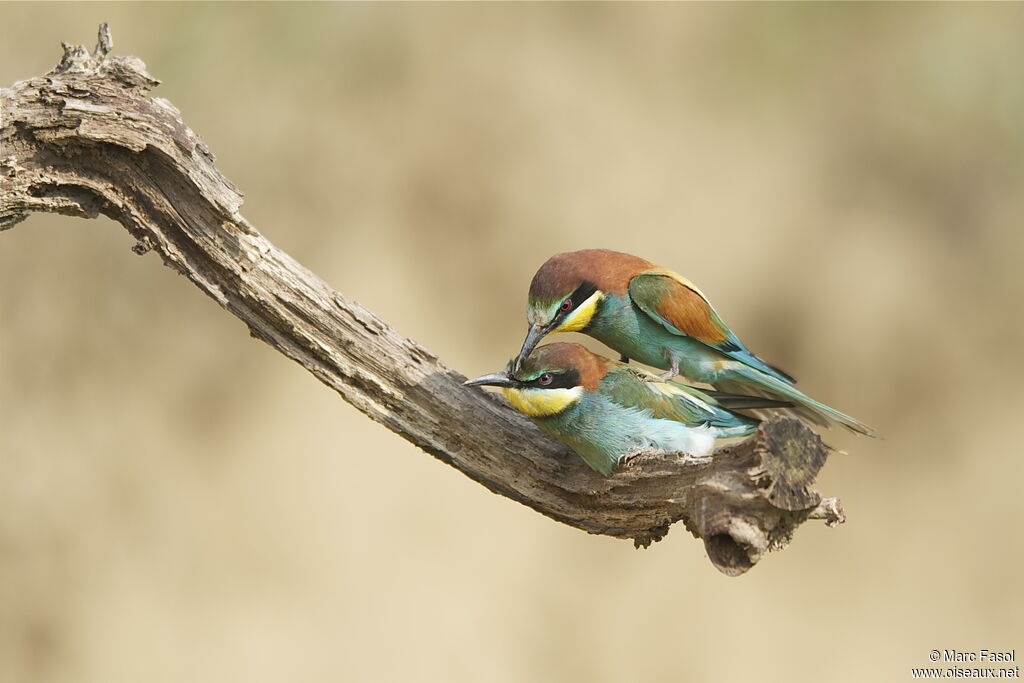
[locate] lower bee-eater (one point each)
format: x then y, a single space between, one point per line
605 410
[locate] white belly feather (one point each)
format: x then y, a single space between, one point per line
669 435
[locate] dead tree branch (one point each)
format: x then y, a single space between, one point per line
86 139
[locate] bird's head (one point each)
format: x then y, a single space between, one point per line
550 380
566 292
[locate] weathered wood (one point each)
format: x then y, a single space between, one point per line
86 139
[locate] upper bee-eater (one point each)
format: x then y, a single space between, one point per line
605 410
658 318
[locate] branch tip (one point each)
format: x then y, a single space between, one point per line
104 41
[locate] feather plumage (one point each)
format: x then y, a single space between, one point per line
605 410
657 317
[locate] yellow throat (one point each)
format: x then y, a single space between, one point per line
542 402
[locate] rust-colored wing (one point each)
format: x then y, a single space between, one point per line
679 306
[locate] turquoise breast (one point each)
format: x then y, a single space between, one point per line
625 328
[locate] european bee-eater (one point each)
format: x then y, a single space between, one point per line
604 409
659 318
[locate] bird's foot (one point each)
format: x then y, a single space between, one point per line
625 458
673 371
663 377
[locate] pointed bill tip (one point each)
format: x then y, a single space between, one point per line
495 379
533 338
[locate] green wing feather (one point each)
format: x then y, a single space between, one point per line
677 305
626 386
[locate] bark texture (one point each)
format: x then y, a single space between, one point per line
87 139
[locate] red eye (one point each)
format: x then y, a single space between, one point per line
566 305
544 379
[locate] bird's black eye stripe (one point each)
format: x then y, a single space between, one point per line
558 380
582 293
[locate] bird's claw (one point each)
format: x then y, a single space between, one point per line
673 371
663 377
623 459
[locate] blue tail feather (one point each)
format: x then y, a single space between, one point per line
807 406
745 356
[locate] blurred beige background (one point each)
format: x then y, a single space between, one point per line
180 503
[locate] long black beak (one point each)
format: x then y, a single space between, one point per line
533 337
495 379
